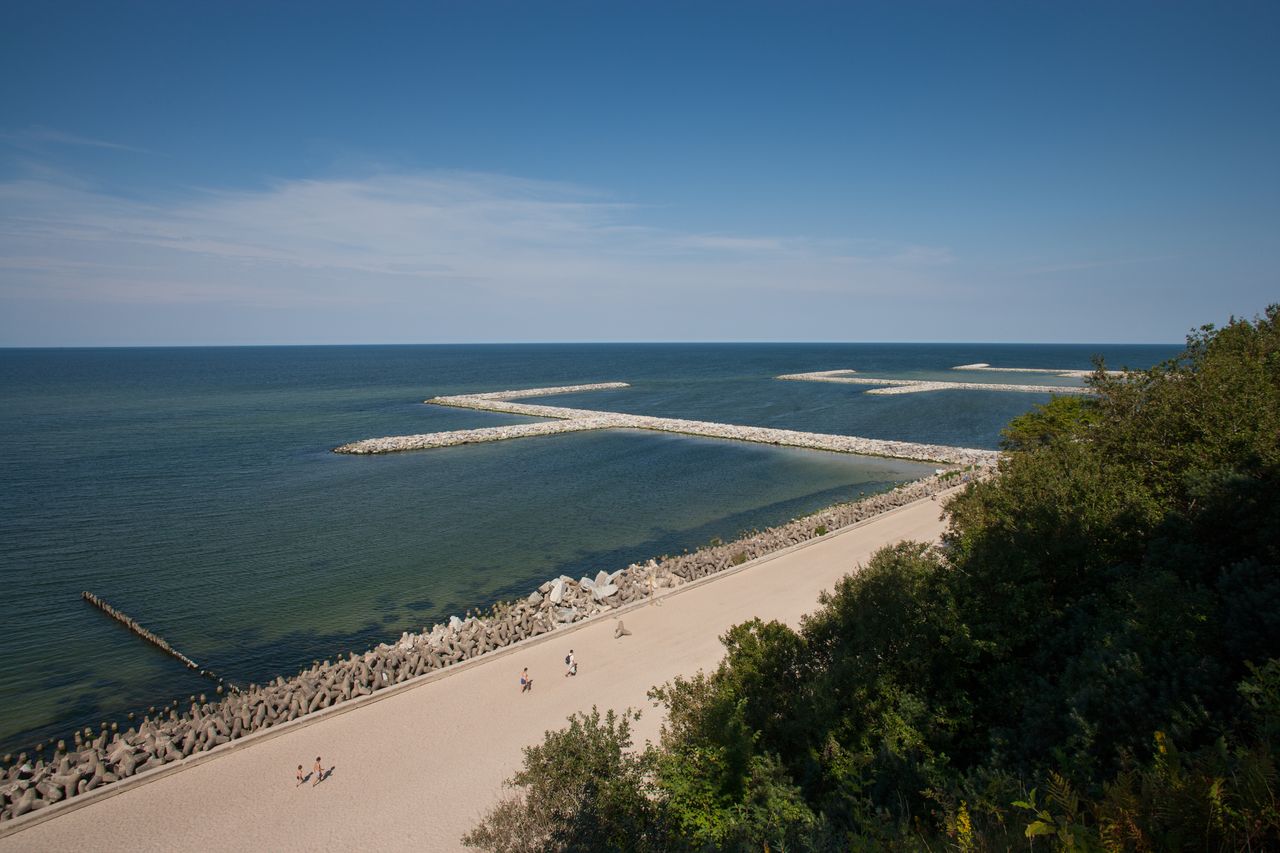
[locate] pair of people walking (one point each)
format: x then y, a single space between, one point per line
526 681
317 772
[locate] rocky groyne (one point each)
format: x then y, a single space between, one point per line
425 441
573 420
151 637
1053 371
53 774
889 387
549 391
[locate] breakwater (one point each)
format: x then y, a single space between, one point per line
547 392
582 419
425 441
888 387
151 637
47 777
1053 371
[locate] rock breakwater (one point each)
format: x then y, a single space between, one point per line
574 420
889 387
54 774
425 441
1053 371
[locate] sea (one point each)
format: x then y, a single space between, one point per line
196 490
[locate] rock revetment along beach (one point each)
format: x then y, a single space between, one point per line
32 783
889 387
575 420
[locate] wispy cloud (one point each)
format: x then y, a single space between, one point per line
387 232
423 256
36 136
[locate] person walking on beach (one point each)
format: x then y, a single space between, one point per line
571 664
301 778
319 771
526 683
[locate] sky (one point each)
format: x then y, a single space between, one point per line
181 173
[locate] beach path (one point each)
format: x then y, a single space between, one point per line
417 769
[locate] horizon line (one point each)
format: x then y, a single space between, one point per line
590 343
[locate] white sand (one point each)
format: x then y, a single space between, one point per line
416 770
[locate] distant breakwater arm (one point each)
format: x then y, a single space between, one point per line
982 366
426 441
888 387
575 420
1065 372
547 392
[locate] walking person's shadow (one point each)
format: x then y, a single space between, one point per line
326 774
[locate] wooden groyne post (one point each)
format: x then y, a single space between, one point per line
153 638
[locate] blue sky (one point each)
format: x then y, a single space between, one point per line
235 173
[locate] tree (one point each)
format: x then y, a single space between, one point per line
581 789
1101 624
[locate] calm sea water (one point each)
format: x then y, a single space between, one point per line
195 489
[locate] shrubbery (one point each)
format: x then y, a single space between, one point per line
1089 661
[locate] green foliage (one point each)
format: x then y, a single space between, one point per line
1101 624
1065 418
820 530
1222 796
582 789
1059 817
739 558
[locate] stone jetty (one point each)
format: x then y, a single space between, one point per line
425 441
587 419
548 392
50 775
1053 371
151 637
887 387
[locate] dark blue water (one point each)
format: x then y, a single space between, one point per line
195 489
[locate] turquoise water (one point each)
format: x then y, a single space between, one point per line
195 490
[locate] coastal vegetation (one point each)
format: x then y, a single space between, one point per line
1090 660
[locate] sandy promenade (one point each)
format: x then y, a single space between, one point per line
415 770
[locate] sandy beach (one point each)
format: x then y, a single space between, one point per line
417 769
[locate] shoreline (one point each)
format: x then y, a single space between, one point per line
417 770
124 759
